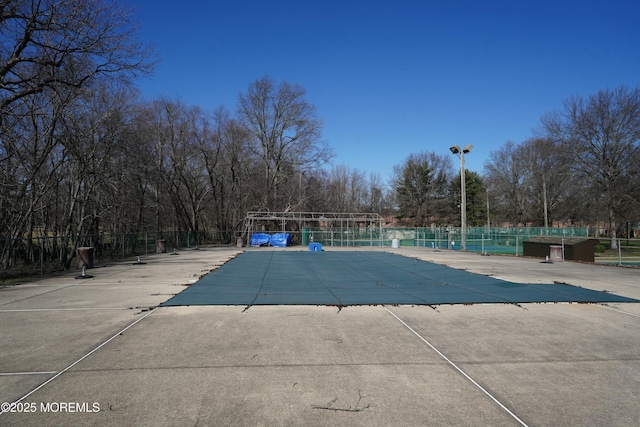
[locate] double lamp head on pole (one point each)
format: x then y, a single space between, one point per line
463 191
455 149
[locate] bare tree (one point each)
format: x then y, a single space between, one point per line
346 190
93 133
316 191
600 137
130 190
190 187
180 182
59 44
286 132
379 198
30 168
53 55
506 173
548 184
229 166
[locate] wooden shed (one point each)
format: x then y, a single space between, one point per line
575 248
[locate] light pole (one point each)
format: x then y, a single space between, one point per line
488 219
463 190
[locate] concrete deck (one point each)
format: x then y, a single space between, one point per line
98 352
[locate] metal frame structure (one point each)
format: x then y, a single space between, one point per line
341 222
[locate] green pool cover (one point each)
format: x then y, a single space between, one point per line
362 278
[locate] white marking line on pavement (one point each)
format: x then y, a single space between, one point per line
26 310
9 374
81 359
457 368
617 310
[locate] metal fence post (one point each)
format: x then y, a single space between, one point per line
42 257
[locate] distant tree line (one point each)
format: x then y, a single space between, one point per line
81 153
581 169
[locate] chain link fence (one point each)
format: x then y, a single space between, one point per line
45 254
493 240
482 240
40 255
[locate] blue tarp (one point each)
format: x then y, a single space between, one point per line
259 239
280 240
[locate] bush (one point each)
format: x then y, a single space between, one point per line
599 249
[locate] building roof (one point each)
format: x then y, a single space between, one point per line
558 240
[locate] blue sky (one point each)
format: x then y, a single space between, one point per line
391 78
